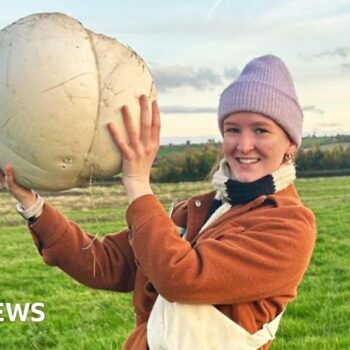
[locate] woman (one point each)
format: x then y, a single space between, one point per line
226 282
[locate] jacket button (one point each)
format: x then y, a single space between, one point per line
198 203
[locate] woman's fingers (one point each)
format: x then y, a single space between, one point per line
10 182
7 179
155 131
129 126
117 138
149 133
146 120
22 194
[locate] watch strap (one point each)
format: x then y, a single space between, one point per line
34 211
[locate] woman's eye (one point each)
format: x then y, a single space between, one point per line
232 130
260 131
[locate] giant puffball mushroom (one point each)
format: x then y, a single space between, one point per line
60 84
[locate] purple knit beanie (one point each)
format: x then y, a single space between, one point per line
265 86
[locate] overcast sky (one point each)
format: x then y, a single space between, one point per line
195 48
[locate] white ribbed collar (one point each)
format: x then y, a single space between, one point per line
282 178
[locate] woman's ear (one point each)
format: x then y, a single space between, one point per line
291 148
289 155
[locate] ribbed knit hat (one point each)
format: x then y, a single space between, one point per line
265 86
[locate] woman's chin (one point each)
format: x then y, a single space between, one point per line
247 177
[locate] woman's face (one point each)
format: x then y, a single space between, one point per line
254 145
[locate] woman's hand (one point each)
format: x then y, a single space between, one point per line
23 195
140 151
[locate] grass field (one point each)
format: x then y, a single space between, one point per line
165 150
80 318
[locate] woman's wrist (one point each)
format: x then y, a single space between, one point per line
136 188
32 212
28 200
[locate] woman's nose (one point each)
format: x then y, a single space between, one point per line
245 143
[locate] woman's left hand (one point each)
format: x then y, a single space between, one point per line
140 150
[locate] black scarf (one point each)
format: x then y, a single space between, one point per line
235 192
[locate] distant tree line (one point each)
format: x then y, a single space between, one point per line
194 164
335 159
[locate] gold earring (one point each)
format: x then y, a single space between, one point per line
288 158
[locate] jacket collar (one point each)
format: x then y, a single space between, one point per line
198 206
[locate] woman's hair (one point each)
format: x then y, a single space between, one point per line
215 166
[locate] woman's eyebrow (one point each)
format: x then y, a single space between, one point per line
264 124
254 124
230 123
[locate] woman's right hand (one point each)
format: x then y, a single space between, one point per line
23 195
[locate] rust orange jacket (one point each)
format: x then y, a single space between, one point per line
248 263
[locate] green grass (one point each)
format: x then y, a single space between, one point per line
81 318
167 149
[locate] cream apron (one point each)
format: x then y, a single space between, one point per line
175 326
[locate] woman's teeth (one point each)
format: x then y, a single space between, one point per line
248 160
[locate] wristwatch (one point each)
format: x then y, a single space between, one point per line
34 211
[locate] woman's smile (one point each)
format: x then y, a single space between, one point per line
247 161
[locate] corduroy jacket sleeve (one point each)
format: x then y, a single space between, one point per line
102 264
232 263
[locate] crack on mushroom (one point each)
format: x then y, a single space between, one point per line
65 82
151 90
98 110
108 82
115 93
115 68
8 120
72 97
